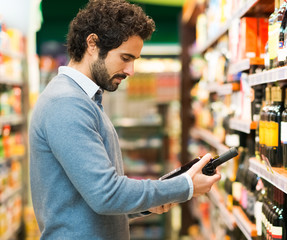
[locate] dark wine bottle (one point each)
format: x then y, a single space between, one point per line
208 169
284 132
275 151
263 122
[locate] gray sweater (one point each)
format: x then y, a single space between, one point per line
79 190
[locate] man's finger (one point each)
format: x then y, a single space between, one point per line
202 162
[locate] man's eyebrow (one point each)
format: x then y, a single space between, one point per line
131 56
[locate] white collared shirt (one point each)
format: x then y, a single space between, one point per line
81 79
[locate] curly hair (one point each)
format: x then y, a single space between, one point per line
113 21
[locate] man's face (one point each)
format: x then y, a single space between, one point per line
119 64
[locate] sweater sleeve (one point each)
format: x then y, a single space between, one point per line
73 131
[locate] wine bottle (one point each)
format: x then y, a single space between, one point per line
263 122
284 132
208 169
275 153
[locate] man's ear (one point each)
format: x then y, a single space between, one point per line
92 43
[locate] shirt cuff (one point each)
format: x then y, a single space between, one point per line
189 180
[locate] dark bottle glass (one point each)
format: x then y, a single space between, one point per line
251 194
284 132
282 22
275 229
208 169
260 195
275 153
278 223
272 36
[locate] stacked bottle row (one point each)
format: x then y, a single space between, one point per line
263 204
271 141
276 48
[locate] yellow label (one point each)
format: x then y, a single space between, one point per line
274 134
262 132
267 134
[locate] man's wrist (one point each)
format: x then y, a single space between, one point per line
189 180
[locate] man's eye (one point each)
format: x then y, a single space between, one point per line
125 59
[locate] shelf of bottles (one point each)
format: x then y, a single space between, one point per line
246 226
12 143
217 199
222 24
253 115
141 142
275 176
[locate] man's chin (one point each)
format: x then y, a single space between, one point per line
113 88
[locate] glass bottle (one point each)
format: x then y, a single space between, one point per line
284 132
275 153
273 36
281 19
263 122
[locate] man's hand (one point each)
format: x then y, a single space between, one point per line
202 183
163 208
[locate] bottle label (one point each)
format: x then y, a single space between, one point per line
262 132
267 134
276 232
284 132
274 129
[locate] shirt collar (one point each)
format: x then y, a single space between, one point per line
82 80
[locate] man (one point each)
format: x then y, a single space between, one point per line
79 189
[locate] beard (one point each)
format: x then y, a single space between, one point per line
101 76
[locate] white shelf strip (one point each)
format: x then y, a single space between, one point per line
10 81
243 226
240 125
273 177
226 216
273 75
11 54
12 119
240 66
220 89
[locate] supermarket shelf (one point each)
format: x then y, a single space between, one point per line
10 81
141 144
220 89
8 194
11 233
273 75
240 13
11 54
239 66
4 160
131 122
276 176
13 119
161 49
244 224
218 201
209 138
242 125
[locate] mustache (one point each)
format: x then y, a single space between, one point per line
123 76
